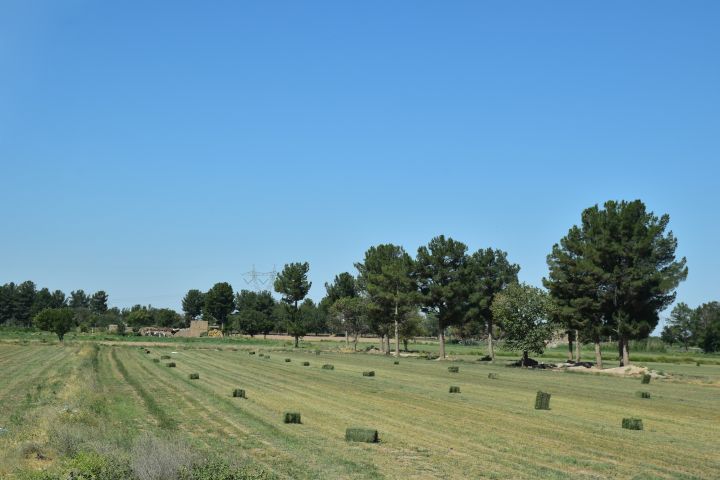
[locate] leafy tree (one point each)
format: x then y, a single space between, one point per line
43 300
682 326
313 318
138 317
193 303
220 302
349 314
98 302
412 326
24 300
56 320
79 299
292 283
630 266
440 273
165 317
708 326
344 285
488 273
255 312
7 303
386 275
524 312
58 299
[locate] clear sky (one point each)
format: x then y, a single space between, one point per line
151 147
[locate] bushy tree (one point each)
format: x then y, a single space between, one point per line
489 272
56 320
193 303
440 272
78 299
524 313
293 284
24 301
349 314
220 302
681 327
255 312
99 302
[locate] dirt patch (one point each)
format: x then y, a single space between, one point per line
629 371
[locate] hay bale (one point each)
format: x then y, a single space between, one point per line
542 401
156 360
147 351
171 364
291 417
194 376
288 360
697 364
453 369
396 362
306 364
252 353
643 394
327 366
632 423
493 376
454 389
367 435
646 378
239 393
165 357
317 352
371 373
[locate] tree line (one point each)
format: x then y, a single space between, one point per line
694 327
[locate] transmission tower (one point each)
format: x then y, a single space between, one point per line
259 281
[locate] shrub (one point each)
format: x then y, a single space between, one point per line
306 364
288 360
155 459
327 366
171 364
493 376
542 401
291 417
632 423
646 378
453 369
367 435
217 468
371 373
643 394
165 357
194 376
32 450
454 389
239 393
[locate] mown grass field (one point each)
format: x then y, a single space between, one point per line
490 430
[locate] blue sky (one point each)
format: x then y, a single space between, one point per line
151 147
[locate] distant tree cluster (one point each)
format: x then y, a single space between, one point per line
698 327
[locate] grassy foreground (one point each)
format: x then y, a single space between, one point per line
58 401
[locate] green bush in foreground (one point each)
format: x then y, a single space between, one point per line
632 423
646 378
291 417
239 393
453 369
454 389
371 373
366 435
194 376
542 401
643 394
327 366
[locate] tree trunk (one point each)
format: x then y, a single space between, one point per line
442 343
491 348
598 354
347 338
405 342
297 341
570 335
387 346
621 349
577 346
626 352
355 338
382 343
397 336
525 358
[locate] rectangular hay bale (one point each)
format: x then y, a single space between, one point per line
493 376
453 369
371 373
165 357
542 401
194 376
367 435
239 393
327 366
288 360
306 364
171 364
291 417
454 389
643 394
646 378
632 423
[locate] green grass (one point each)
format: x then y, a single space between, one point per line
490 431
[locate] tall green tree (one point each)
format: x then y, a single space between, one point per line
99 302
349 314
58 299
43 300
56 320
489 272
708 326
7 303
193 303
682 326
79 299
386 275
255 312
630 262
524 312
293 284
24 301
220 302
440 272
